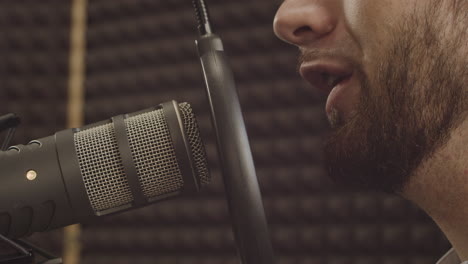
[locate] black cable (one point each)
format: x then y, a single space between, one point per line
17 246
203 17
10 122
8 138
40 251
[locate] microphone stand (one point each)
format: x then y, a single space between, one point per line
240 181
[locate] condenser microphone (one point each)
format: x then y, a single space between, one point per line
78 175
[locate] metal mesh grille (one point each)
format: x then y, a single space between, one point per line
101 167
195 142
153 153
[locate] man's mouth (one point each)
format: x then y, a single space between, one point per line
329 76
326 74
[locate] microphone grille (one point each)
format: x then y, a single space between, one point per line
196 144
152 152
101 167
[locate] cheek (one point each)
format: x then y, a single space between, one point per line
371 16
371 22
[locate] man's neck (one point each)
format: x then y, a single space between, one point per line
440 187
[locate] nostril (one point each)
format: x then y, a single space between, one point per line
302 30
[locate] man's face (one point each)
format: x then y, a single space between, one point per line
395 72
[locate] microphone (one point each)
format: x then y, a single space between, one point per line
79 175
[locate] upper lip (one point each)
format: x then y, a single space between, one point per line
321 72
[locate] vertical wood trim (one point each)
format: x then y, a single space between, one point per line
75 108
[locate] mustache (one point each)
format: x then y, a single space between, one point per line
306 56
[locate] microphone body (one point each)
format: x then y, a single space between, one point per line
78 175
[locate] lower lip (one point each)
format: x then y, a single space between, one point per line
336 95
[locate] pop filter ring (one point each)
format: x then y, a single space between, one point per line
240 180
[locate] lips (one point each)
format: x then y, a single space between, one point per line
332 77
325 75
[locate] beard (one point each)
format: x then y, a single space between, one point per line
406 111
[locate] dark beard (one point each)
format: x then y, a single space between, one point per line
417 100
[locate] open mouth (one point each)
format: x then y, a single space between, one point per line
332 80
326 74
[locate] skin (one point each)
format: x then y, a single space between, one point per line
402 126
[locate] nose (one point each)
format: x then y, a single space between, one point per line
301 22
